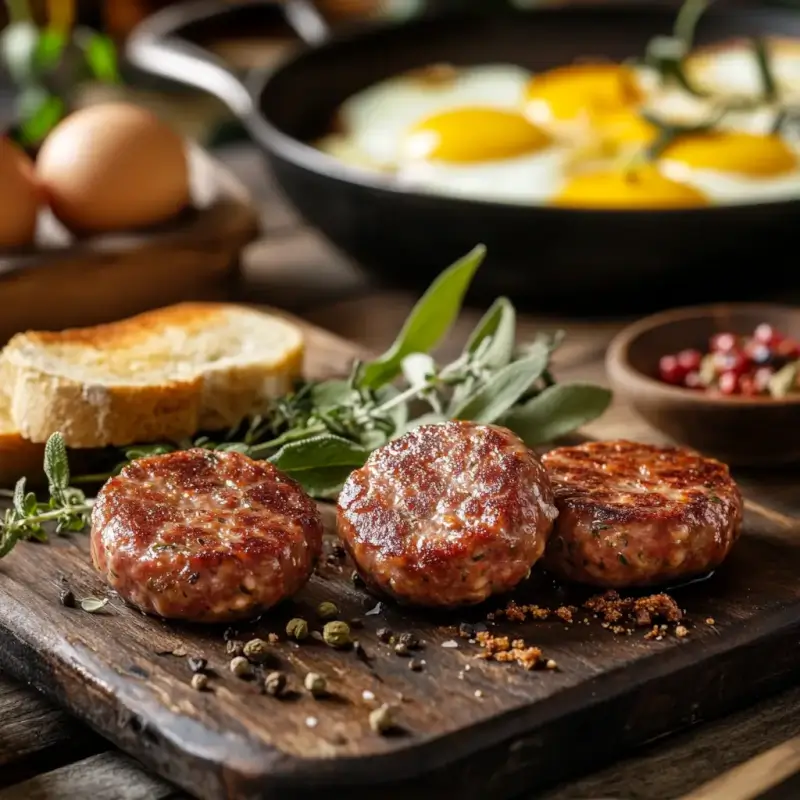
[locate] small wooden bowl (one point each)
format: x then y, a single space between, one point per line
745 431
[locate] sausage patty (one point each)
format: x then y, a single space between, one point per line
447 514
635 514
204 536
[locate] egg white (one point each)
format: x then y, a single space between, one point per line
733 69
530 178
731 189
374 121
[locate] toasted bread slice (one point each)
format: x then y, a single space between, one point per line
18 456
162 375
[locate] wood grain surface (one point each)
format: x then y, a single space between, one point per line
609 692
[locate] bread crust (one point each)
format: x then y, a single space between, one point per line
118 410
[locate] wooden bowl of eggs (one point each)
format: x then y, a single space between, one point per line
117 214
533 131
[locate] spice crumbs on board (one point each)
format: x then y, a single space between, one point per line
620 615
501 649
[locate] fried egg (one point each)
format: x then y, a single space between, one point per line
733 69
569 99
482 152
372 123
734 166
641 188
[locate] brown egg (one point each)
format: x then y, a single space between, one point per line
113 167
20 196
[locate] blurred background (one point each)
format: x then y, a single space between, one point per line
57 56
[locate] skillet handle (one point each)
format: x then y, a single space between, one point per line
155 47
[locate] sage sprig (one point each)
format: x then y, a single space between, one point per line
323 430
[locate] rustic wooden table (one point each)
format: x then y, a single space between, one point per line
46 754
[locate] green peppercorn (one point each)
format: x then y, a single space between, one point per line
257 651
200 681
381 720
297 629
275 683
316 684
337 634
240 667
327 610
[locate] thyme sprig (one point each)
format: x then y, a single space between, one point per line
67 506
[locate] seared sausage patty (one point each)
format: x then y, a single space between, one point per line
204 536
447 514
635 515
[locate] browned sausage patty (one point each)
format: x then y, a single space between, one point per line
447 514
634 514
204 536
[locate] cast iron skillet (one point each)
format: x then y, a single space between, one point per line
542 256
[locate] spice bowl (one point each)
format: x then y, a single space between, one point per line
738 429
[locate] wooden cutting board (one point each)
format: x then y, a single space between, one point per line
470 727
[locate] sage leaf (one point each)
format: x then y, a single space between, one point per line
557 411
505 388
331 394
56 463
325 450
233 447
398 414
428 322
93 604
324 483
19 497
372 440
30 504
498 326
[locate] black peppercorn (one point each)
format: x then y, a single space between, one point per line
67 598
196 664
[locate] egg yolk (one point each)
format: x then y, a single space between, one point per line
583 89
746 154
625 127
641 188
465 135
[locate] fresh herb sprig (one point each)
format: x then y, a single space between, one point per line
323 430
67 507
